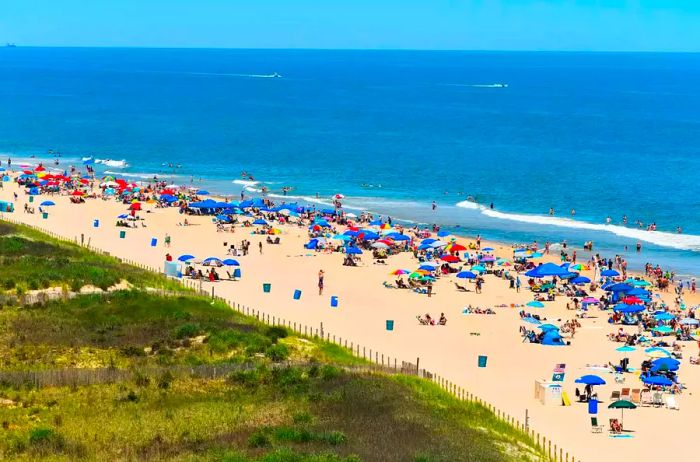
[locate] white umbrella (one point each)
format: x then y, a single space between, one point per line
380 245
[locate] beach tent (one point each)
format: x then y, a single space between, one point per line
552 338
548 327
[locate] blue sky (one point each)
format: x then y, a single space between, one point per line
601 25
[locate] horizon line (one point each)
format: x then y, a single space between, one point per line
475 50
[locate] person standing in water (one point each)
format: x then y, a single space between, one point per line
434 205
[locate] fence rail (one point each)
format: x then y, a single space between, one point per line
379 361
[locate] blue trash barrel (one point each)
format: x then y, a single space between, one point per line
237 273
154 242
482 361
389 324
593 407
297 294
334 301
266 287
96 223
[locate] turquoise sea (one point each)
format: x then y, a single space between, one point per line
606 134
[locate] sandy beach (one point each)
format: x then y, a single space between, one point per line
365 304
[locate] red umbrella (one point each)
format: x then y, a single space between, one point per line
77 193
84 181
28 172
457 248
631 300
386 241
135 206
450 259
39 169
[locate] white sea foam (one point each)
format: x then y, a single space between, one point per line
478 85
145 176
245 182
660 238
469 205
112 163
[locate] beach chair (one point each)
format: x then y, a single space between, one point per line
595 427
671 402
657 399
615 395
636 396
625 394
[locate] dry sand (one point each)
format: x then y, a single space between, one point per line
364 305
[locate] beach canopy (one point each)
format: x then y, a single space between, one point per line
466 275
535 304
185 257
624 308
547 269
659 380
620 287
590 380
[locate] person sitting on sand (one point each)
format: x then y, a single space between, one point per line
443 319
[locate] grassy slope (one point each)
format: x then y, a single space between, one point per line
316 412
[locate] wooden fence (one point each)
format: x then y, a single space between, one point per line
378 360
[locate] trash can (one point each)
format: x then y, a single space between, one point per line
593 407
31 198
297 294
266 287
154 242
482 361
237 273
122 234
45 215
334 301
96 223
389 324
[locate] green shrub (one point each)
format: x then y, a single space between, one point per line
187 330
293 435
277 352
165 380
335 438
330 372
275 333
46 440
302 418
259 440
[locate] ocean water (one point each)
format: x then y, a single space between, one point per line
606 134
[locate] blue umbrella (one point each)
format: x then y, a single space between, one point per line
223 218
623 308
231 262
590 380
466 275
535 304
260 221
426 267
668 364
428 241
664 316
47 203
479 268
353 251
186 257
123 216
618 287
609 273
488 249
547 269
657 380
580 280
443 233
398 237
202 193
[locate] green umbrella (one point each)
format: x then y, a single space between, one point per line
622 405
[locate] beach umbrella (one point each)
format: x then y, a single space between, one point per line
488 249
591 300
665 364
658 380
431 264
379 245
690 322
427 267
428 241
342 237
231 262
641 283
399 272
260 221
665 330
466 275
656 352
664 316
580 280
135 206
443 233
590 380
487 258
623 308
438 244
535 304
47 203
185 258
531 320
478 268
578 267
622 404
123 216
202 193
77 193
212 261
398 237
545 270
353 251
626 349
609 273
546 327
450 258
456 248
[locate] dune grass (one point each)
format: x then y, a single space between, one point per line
31 260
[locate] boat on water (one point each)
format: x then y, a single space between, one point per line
500 85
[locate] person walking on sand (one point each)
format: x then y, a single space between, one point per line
517 284
321 274
260 247
167 240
